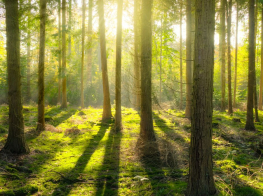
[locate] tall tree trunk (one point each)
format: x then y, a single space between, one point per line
161 58
68 56
251 69
64 62
255 82
41 66
118 123
229 13
16 140
201 180
235 82
28 91
223 53
181 56
59 52
89 60
188 60
105 81
147 135
137 76
261 76
69 29
147 132
82 54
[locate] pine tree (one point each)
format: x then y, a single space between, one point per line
201 180
41 66
16 140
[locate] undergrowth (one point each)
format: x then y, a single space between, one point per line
78 154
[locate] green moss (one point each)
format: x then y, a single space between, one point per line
247 191
107 162
23 191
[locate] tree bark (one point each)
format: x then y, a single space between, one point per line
105 81
118 121
181 56
223 53
59 52
137 64
16 140
255 81
251 67
161 58
188 60
147 135
89 60
82 54
64 62
41 66
201 180
235 82
261 76
69 29
229 13
28 91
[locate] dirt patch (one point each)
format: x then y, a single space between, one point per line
51 128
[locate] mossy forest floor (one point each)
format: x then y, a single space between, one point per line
80 155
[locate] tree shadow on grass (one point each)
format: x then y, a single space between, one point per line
168 157
153 168
174 149
58 120
72 176
108 182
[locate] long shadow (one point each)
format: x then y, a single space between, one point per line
40 158
168 131
71 177
53 111
155 171
108 182
56 121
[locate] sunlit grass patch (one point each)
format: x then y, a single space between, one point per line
80 155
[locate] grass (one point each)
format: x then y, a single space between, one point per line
80 155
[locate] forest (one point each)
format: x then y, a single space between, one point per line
131 97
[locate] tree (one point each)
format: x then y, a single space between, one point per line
28 94
222 46
261 76
147 135
255 81
118 123
236 50
201 180
69 28
251 67
229 13
89 60
59 51
64 79
181 56
16 140
41 65
137 77
82 54
161 58
188 60
105 81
